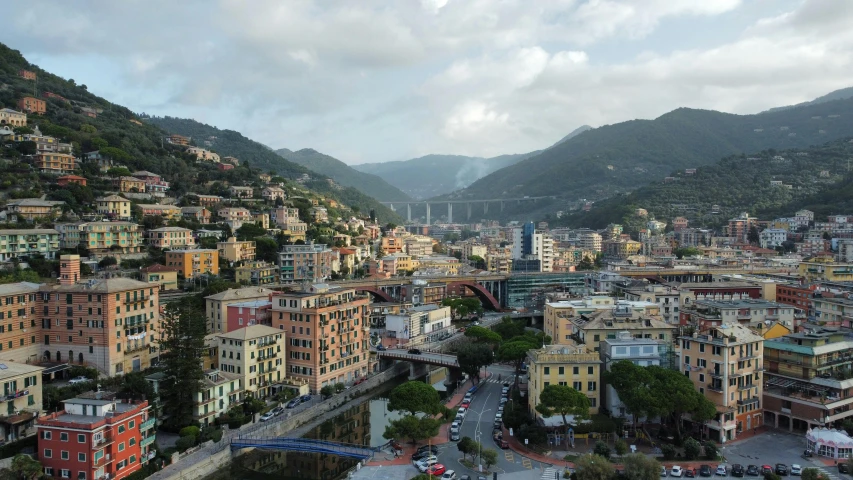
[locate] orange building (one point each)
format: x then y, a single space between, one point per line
32 105
55 162
26 74
66 180
96 436
18 341
130 184
56 96
178 140
192 263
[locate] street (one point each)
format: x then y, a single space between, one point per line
775 447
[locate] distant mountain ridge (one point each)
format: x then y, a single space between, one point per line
841 94
344 174
618 158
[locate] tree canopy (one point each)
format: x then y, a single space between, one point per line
640 467
593 467
473 357
482 334
415 397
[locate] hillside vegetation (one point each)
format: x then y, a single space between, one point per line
617 158
342 173
231 143
818 177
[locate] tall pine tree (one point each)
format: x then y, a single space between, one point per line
184 327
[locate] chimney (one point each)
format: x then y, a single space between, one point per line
69 269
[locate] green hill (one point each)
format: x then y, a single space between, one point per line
818 178
618 158
231 143
836 95
342 173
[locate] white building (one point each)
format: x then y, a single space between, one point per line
772 237
419 325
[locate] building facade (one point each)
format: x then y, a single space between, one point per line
171 237
235 250
22 243
192 263
574 366
305 263
256 354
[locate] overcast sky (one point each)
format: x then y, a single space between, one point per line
372 81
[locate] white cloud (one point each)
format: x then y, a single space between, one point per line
379 80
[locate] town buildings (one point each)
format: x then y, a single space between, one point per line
220 391
100 238
114 207
21 402
171 237
824 268
13 118
30 209
418 325
245 314
166 277
22 243
216 306
235 217
18 306
236 251
591 328
55 163
130 184
196 214
195 262
96 436
643 352
32 105
241 192
67 180
571 365
256 355
202 154
256 273
532 251
168 212
559 315
271 194
327 330
758 314
305 263
726 364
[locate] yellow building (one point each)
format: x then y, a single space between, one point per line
444 264
622 247
216 306
826 269
559 316
22 402
168 212
572 365
13 118
235 250
256 355
725 365
114 207
776 331
55 162
31 208
166 277
192 263
130 184
256 273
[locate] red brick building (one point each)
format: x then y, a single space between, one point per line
32 105
797 295
96 436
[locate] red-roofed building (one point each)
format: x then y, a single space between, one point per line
224 166
66 180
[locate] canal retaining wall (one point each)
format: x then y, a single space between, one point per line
209 457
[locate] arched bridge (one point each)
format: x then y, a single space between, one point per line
377 293
486 298
304 445
429 358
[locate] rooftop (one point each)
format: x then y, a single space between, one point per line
106 285
12 369
252 331
112 198
193 250
34 231
18 288
237 293
159 268
170 229
251 304
746 303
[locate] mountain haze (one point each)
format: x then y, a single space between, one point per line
836 95
342 173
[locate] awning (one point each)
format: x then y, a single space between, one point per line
55 368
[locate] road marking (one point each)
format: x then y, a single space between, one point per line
549 473
508 456
526 463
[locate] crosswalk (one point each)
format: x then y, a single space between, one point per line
494 379
549 474
831 473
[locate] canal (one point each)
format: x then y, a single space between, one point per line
362 424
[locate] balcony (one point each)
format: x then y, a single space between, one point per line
715 388
103 441
147 441
745 386
716 373
147 424
106 459
267 357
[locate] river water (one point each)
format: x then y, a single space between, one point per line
362 424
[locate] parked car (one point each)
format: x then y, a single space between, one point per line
380 347
465 404
721 471
267 416
424 463
752 470
737 470
415 351
504 400
504 390
468 396
501 443
437 469
454 436
796 469
498 417
690 473
843 467
449 475
305 398
663 471
676 471
277 411
781 469
808 453
428 448
705 471
462 411
765 469
293 403
80 379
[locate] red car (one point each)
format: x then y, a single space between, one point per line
465 404
436 469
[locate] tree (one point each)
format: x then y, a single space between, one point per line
593 467
515 352
482 334
752 236
327 391
477 261
813 474
415 397
489 457
474 356
250 231
601 449
687 252
26 466
668 451
467 446
107 262
267 249
710 450
184 328
461 307
508 328
413 428
586 263
692 449
640 467
620 447
563 400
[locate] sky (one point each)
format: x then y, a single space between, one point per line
374 81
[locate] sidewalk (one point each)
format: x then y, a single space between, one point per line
387 458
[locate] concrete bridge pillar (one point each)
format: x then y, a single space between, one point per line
409 212
428 219
449 212
417 370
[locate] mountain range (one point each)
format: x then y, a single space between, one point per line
342 173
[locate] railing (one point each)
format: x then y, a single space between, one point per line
103 441
715 388
305 445
102 461
147 424
147 441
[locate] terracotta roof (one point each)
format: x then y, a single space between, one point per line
159 268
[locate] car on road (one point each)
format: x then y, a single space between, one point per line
360 381
498 417
705 471
753 471
449 475
437 469
721 471
465 404
380 348
468 396
506 384
781 469
305 398
765 469
424 463
843 467
690 473
796 469
277 411
662 471
737 470
454 436
504 390
462 411
504 400
676 471
293 403
502 443
267 416
415 351
428 448
80 379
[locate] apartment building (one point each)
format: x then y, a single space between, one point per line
203 154
18 308
216 306
96 436
32 208
130 184
572 365
824 268
328 332
165 277
176 139
392 244
32 105
192 263
168 212
196 214
21 243
256 354
806 383
114 207
235 217
256 273
241 192
111 324
209 200
171 237
419 246
590 241
738 227
101 237
418 325
772 237
622 247
726 364
235 250
244 314
282 215
219 392
643 352
421 292
836 312
796 295
758 314
55 163
665 296
271 194
12 117
499 263
559 315
532 250
593 327
318 214
21 402
305 263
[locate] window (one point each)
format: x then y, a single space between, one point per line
65 473
577 386
547 370
591 386
133 459
575 370
121 447
63 437
81 457
81 475
590 370
121 429
48 453
132 424
64 455
48 471
132 441
562 370
46 434
81 438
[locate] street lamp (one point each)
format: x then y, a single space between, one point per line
477 435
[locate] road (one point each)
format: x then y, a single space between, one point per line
775 447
